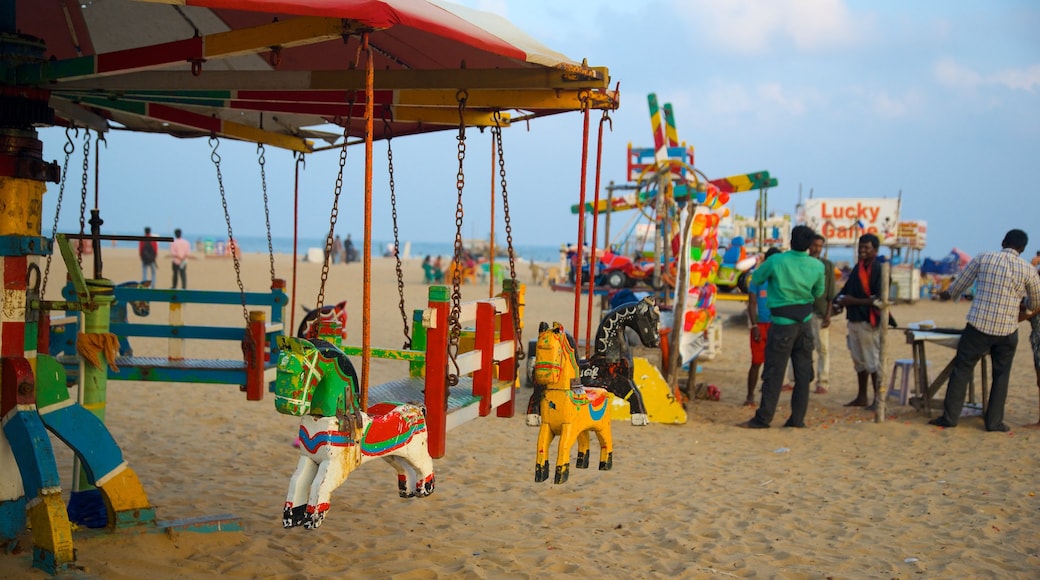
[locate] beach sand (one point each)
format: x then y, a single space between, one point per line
845 498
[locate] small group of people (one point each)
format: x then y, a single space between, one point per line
180 252
434 271
343 250
791 304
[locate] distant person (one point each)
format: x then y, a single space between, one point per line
1036 260
857 298
795 281
759 321
350 253
180 250
821 320
1002 280
337 249
148 250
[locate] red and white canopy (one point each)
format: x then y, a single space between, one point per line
276 71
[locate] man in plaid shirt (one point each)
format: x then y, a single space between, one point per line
1001 280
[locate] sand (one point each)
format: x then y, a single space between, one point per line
845 498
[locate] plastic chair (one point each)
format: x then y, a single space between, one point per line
906 367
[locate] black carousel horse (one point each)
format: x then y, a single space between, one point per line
610 366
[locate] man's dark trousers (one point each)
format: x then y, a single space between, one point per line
972 346
792 342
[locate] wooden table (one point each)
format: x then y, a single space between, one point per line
923 390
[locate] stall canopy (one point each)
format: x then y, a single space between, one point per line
281 72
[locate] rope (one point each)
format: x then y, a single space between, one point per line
595 222
580 256
300 161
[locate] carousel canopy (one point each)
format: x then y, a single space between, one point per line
281 71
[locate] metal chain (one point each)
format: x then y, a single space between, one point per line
83 197
267 210
334 215
514 305
70 148
454 324
388 134
215 158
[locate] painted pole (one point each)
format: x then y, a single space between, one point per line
882 398
86 506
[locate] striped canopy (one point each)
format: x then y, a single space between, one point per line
281 71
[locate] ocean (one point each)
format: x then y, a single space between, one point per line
284 245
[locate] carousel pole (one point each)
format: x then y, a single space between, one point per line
30 488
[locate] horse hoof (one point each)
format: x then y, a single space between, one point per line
293 516
608 464
534 420
583 461
640 419
313 521
562 473
541 472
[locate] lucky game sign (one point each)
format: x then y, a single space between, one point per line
843 221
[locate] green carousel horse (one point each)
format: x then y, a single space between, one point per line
318 383
568 409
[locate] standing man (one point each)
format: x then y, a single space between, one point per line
180 249
1002 279
857 297
759 320
821 320
795 281
148 250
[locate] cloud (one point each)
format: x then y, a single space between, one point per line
955 75
756 26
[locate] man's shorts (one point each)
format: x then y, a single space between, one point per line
865 347
758 349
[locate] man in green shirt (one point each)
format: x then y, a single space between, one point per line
795 282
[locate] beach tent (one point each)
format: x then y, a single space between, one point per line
281 71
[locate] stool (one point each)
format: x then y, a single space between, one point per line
905 365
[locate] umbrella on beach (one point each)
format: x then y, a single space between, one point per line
282 71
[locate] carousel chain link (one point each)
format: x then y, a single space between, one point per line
514 302
69 149
83 197
454 324
334 214
267 210
388 135
215 158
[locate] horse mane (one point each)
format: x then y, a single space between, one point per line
609 336
331 351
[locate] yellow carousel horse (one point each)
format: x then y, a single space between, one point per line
569 410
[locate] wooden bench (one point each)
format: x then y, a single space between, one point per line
251 375
486 359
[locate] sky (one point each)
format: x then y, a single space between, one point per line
934 101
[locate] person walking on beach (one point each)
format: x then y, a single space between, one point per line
180 249
337 249
1002 279
795 281
821 320
349 252
148 250
857 298
759 322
